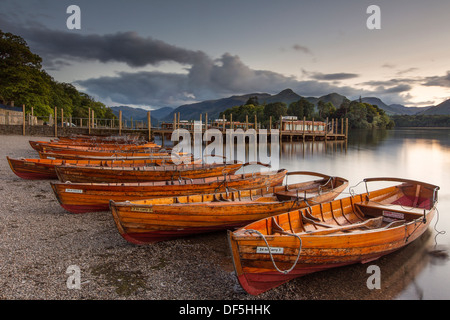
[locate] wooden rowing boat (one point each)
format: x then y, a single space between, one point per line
107 153
96 146
152 220
91 197
98 150
141 174
161 156
358 228
37 169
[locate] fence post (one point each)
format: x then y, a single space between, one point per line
23 116
55 123
120 122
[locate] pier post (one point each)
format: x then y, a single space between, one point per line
304 125
149 124
346 128
281 129
313 136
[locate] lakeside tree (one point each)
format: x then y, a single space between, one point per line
360 115
421 120
23 81
301 108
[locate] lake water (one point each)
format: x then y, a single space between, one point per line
418 154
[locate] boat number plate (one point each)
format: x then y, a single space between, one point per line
74 190
138 209
273 250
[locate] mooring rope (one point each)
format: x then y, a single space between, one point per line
250 231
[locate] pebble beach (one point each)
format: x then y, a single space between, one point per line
40 241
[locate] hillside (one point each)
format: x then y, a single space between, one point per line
141 114
214 107
441 109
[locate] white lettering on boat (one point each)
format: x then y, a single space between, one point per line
74 190
273 250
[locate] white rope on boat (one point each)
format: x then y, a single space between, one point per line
250 231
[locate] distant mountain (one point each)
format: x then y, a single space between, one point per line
393 109
335 98
441 109
161 112
215 107
141 114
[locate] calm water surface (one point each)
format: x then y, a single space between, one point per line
418 154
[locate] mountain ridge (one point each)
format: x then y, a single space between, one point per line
214 107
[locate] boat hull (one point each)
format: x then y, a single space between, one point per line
317 251
144 223
92 197
37 169
142 174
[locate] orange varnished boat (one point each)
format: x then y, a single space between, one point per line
108 153
101 148
141 174
148 221
57 145
357 229
89 197
45 168
161 156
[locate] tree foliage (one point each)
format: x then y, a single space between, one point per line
422 121
23 81
360 115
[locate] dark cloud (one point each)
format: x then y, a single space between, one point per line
397 89
301 48
205 80
127 47
438 81
330 76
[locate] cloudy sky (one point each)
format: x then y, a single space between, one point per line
172 52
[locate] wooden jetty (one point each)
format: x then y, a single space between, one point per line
289 128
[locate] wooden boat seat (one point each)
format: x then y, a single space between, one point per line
392 211
292 195
373 223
